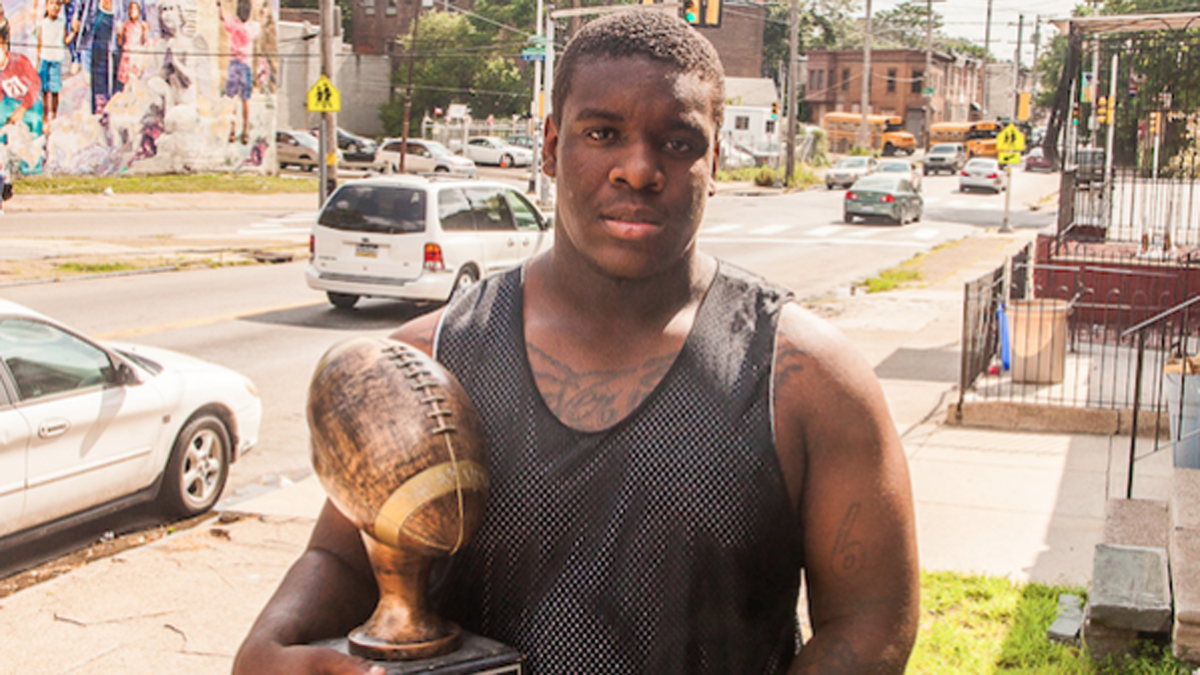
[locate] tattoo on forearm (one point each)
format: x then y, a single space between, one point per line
594 400
848 553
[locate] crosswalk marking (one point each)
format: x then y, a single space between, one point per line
280 224
827 231
863 234
925 233
768 230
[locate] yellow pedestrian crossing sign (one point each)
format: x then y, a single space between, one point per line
1010 140
324 97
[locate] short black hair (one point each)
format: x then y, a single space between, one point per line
656 35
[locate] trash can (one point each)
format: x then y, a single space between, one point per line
1039 340
1187 451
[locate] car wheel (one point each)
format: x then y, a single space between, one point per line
847 218
505 161
440 169
465 279
898 215
198 468
342 300
925 172
889 150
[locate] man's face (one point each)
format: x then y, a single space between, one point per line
633 156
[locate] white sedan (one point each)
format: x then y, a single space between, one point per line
493 150
87 429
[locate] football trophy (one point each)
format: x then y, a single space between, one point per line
399 449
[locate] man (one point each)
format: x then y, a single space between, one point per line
671 439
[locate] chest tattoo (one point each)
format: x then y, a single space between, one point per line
595 400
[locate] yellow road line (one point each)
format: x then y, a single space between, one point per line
200 321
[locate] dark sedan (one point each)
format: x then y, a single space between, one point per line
878 195
1036 160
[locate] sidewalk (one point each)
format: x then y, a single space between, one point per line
1027 506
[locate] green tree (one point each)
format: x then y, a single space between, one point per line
454 62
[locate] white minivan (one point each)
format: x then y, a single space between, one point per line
415 238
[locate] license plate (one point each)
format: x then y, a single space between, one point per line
366 251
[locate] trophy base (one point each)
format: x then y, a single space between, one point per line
362 644
476 656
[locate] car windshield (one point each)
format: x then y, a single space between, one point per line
902 167
982 164
851 163
436 149
944 149
877 182
307 140
375 208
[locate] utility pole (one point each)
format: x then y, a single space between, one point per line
865 104
987 58
535 185
793 37
928 78
328 140
412 59
1037 40
1017 67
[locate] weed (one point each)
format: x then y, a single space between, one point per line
94 268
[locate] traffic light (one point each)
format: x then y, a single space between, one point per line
1075 114
691 12
1112 110
1154 122
1102 110
775 110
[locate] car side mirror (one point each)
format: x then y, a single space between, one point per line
125 375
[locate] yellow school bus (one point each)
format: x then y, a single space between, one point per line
981 140
887 134
949 132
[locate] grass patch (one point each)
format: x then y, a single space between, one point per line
978 624
891 278
94 268
765 176
176 183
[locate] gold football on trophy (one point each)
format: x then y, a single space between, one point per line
400 451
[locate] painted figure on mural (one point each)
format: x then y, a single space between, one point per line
52 41
239 83
95 44
132 41
20 85
266 65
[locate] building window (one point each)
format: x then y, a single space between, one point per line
918 81
770 126
741 122
891 87
845 79
820 80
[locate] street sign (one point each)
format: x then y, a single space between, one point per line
1009 157
324 97
1010 140
927 91
533 54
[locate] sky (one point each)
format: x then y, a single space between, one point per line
968 19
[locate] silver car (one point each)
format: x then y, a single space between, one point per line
982 173
423 156
849 169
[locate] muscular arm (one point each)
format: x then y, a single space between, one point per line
848 476
327 592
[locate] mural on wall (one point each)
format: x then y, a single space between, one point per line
144 86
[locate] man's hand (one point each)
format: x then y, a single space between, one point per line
266 659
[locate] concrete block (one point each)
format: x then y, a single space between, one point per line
1103 641
1136 522
1131 588
1185 499
1067 624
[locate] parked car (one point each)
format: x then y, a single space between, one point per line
493 150
1036 160
849 169
90 428
423 156
901 167
354 148
522 141
411 238
887 196
297 148
948 157
1089 166
982 173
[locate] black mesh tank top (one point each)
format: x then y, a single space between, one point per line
665 544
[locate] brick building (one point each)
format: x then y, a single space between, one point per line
898 79
375 24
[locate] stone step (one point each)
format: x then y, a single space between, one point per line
1136 522
1185 564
